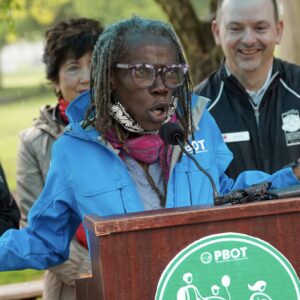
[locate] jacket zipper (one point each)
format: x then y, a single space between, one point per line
256 114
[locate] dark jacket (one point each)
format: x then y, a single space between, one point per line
273 128
9 211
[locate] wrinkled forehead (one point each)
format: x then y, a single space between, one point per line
142 39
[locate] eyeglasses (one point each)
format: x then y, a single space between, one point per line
144 75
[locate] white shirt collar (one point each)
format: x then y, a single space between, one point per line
256 96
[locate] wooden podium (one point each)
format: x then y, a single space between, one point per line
129 252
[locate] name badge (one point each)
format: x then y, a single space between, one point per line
232 137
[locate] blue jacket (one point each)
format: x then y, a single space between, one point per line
88 177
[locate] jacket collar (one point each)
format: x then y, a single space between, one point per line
49 121
76 113
77 108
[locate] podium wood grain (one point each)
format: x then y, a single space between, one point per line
129 252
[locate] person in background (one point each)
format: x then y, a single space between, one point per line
111 159
254 96
67 56
9 211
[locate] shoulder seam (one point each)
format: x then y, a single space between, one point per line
216 100
289 88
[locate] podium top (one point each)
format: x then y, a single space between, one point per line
187 215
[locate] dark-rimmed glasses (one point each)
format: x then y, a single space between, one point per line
144 75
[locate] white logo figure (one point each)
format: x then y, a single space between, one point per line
191 292
215 289
258 287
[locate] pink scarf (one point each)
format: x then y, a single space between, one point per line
147 148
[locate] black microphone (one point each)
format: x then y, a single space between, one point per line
172 134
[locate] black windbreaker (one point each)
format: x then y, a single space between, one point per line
9 211
264 138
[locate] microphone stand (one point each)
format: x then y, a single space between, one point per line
215 192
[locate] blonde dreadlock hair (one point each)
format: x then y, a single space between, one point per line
111 49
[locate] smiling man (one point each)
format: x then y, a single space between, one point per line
254 96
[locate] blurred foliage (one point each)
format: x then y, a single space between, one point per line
202 8
28 19
7 27
108 11
44 11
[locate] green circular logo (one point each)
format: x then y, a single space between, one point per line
229 266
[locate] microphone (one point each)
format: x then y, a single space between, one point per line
172 134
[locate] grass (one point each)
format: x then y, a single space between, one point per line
10 94
20 276
21 78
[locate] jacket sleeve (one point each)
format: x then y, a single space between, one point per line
9 211
30 178
52 223
282 178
